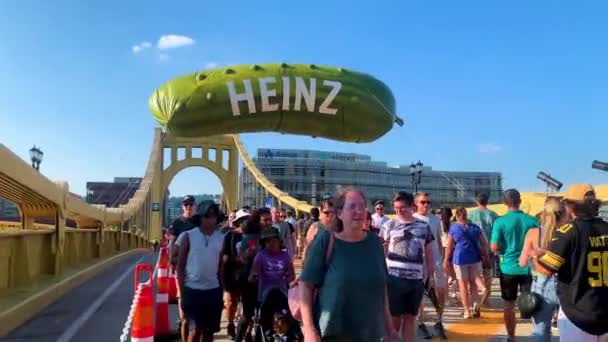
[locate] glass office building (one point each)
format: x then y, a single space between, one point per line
311 175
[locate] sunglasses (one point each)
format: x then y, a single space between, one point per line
188 205
425 202
379 209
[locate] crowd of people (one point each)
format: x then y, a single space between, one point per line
365 275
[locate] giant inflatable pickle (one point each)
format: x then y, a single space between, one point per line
303 99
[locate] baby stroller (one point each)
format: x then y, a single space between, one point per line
273 319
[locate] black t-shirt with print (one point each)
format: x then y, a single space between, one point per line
578 252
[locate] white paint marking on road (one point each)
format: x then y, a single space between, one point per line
75 327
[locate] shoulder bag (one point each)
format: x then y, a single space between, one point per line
293 295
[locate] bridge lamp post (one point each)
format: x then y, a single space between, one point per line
552 183
598 165
416 173
36 155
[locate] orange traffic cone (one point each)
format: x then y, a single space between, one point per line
142 328
162 294
172 287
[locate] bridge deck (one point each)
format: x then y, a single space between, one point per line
96 312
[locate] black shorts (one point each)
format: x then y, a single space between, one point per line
509 285
203 308
404 296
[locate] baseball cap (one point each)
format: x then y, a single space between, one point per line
579 192
208 209
189 199
242 213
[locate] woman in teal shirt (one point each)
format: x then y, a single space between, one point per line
351 303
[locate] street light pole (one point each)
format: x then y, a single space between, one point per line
36 156
416 173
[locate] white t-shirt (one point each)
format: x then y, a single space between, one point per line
203 259
435 225
378 222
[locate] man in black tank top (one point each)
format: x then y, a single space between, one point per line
578 253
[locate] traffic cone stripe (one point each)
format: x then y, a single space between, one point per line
142 328
144 339
162 295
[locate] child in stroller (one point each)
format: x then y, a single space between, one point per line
274 271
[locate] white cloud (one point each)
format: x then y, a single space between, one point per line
137 48
210 65
163 57
173 41
489 148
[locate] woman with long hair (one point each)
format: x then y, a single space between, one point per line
467 246
539 238
348 268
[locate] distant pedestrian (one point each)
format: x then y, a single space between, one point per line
378 217
485 218
286 230
301 227
508 234
436 293
446 223
233 284
327 220
466 248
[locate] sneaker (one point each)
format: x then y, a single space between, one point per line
426 334
476 311
231 330
440 331
467 315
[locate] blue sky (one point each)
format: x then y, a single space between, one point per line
516 87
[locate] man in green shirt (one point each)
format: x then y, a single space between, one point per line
508 234
485 218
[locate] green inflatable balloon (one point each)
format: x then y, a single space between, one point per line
303 99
